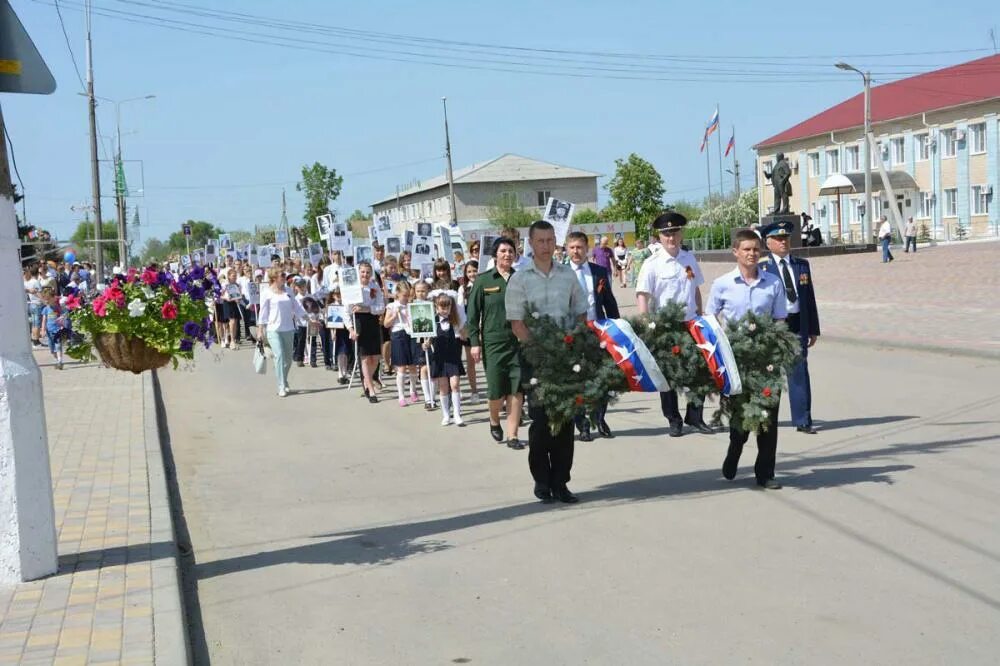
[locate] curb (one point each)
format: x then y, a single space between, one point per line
170 637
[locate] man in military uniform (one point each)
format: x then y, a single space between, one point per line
550 289
802 319
494 344
672 275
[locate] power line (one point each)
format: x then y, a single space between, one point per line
69 46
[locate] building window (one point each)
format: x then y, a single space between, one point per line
833 161
508 199
923 147
768 166
854 158
813 164
897 151
543 197
948 143
857 205
980 200
926 204
977 133
951 202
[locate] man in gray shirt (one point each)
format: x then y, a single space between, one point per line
547 288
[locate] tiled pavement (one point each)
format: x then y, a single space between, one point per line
113 547
945 297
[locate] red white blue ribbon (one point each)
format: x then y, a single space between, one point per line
631 355
714 345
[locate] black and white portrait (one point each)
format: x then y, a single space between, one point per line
559 211
383 224
348 276
362 253
339 229
423 228
393 245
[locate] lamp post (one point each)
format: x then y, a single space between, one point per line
867 78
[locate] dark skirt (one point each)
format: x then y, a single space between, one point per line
369 331
404 350
341 341
446 357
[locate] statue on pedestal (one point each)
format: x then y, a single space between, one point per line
780 177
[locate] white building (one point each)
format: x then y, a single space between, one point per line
510 177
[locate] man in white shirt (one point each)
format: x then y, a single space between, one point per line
331 274
601 304
33 289
911 235
672 275
885 238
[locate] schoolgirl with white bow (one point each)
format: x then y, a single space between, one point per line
446 355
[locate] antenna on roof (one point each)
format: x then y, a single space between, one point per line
993 38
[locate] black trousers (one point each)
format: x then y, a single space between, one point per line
594 418
767 447
668 405
550 457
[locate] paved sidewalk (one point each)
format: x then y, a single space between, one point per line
941 298
115 598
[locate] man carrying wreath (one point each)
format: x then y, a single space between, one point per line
544 287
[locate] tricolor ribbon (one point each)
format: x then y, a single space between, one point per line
714 345
631 355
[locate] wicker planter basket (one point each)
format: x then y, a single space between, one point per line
132 354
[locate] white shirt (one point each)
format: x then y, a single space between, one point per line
885 230
331 277
279 311
36 286
401 318
586 280
790 307
911 228
669 279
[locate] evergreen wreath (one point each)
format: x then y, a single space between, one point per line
570 373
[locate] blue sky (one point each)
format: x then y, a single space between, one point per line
233 120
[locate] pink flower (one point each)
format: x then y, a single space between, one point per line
116 295
101 306
149 277
132 272
176 289
169 310
72 302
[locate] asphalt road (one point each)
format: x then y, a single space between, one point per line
330 531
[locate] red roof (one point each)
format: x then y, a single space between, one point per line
967 83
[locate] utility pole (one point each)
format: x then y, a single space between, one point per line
447 153
867 78
95 169
736 175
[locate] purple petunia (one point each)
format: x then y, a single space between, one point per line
187 345
196 293
192 329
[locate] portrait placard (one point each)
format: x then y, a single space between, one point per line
339 237
323 223
336 316
185 261
421 319
281 237
393 245
225 242
350 286
210 255
362 253
315 253
559 213
486 251
383 228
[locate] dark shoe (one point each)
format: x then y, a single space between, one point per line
565 496
343 380
809 430
364 393
496 432
329 367
373 399
700 426
729 468
313 365
543 493
428 407
300 364
676 429
769 484
585 435
605 429
515 443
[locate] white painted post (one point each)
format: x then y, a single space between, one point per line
27 515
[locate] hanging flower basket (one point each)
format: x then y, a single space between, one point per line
128 353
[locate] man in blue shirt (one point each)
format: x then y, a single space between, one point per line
749 289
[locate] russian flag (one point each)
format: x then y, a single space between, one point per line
731 144
713 124
714 345
631 355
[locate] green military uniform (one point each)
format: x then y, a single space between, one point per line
489 329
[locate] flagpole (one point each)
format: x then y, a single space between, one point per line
736 165
718 132
708 171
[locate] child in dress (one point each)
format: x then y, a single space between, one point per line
55 321
420 292
404 352
446 357
340 341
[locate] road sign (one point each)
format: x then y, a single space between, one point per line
22 69
187 230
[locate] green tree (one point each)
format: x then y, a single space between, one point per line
201 233
154 250
636 193
586 216
358 214
83 238
506 212
688 209
321 186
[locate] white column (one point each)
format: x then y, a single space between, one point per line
27 516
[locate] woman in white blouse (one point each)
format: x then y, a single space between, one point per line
278 312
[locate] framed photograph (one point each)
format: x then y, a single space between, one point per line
424 229
233 291
253 292
315 253
225 242
281 237
264 256
422 250
199 258
407 241
371 233
323 223
383 228
336 316
426 270
185 261
339 237
390 288
393 245
350 286
175 267
486 251
559 213
362 253
210 255
421 319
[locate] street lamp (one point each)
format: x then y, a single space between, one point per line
867 78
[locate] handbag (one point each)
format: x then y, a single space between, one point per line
259 359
